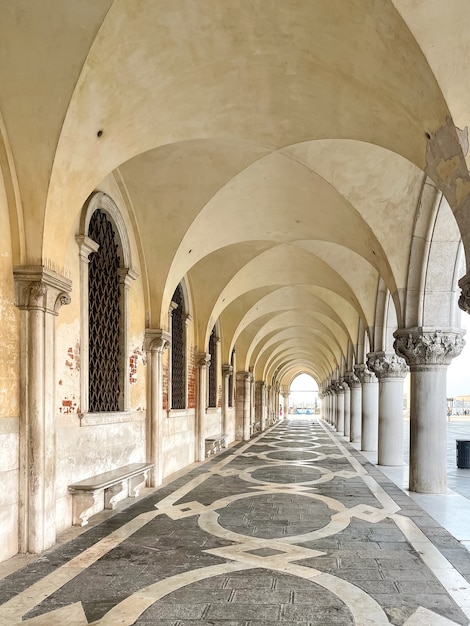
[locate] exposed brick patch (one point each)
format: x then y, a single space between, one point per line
69 405
165 386
73 357
133 363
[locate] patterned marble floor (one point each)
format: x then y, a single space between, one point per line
294 528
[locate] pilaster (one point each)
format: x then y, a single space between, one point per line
203 360
156 342
227 371
39 294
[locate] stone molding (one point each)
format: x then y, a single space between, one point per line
424 348
157 340
387 365
38 288
364 374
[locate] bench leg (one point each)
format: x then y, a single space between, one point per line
136 483
82 507
113 494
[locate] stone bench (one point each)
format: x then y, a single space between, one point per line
215 444
116 484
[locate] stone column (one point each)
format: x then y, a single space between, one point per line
333 412
227 371
156 342
243 405
428 352
370 408
203 360
347 409
390 369
285 411
356 408
39 294
339 407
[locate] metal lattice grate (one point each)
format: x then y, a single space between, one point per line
104 317
178 369
213 370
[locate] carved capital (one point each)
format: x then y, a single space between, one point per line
246 376
38 288
424 348
387 365
352 380
338 386
227 370
203 359
157 340
364 374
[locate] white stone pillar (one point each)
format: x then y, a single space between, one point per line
356 408
156 342
203 361
285 408
334 407
428 352
339 407
39 294
347 409
390 369
370 408
227 371
269 403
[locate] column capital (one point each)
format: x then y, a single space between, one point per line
157 340
364 374
428 348
38 288
352 380
203 359
338 386
387 365
242 375
227 370
260 384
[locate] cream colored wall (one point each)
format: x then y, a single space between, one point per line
179 445
91 446
9 393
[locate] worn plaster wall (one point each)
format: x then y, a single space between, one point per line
9 393
91 445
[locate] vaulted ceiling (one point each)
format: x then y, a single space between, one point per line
273 153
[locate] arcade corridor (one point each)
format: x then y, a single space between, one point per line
295 528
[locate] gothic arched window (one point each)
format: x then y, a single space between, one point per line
104 317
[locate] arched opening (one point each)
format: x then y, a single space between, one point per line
303 396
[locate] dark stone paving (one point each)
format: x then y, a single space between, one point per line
374 557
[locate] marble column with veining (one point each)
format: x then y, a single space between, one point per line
390 369
339 407
347 409
428 352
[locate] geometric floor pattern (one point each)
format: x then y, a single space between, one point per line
293 528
